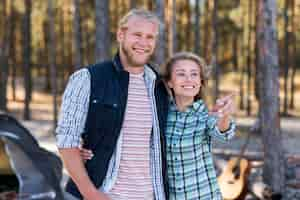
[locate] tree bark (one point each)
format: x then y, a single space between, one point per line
77 35
52 56
286 57
70 44
132 4
273 169
102 30
214 59
188 34
180 26
249 58
197 31
12 53
294 54
207 33
235 46
172 39
256 81
161 43
63 45
4 54
150 5
27 58
46 58
243 60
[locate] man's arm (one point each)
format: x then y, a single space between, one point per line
70 126
75 167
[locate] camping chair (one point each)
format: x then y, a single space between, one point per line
38 171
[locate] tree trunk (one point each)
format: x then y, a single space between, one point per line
294 50
77 35
85 36
197 40
150 5
63 46
256 81
180 26
286 57
207 32
102 30
273 169
235 46
62 29
243 60
46 58
132 4
241 85
172 27
70 45
4 54
161 43
249 63
52 56
214 59
123 7
188 34
12 53
27 58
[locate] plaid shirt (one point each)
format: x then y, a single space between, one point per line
191 171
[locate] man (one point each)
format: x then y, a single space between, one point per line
117 108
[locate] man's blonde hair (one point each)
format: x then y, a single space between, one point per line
142 13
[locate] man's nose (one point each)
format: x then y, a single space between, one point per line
143 41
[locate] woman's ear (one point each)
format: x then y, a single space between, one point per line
170 85
169 90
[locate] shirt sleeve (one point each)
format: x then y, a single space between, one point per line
74 109
214 131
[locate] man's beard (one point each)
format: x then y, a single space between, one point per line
130 57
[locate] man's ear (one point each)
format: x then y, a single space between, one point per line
120 34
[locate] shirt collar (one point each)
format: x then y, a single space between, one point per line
149 68
197 106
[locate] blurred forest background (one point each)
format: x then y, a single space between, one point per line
252 46
47 40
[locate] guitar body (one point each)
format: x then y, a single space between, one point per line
231 184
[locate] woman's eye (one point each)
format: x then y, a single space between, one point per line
194 74
180 74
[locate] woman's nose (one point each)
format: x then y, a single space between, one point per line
188 77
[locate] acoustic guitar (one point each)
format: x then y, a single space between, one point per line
233 179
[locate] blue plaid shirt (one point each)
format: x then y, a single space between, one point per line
191 171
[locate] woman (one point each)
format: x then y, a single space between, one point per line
189 129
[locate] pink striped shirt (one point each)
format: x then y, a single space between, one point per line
134 180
